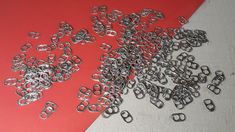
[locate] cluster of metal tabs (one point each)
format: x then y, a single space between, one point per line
144 63
37 74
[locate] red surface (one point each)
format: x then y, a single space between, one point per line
20 17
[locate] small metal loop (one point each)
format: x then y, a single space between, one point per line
219 73
182 20
112 109
139 94
102 8
111 33
163 81
51 105
82 106
10 81
105 47
178 117
104 102
60 34
65 28
55 38
51 58
97 89
43 47
34 35
84 94
125 91
126 116
76 60
182 56
118 100
202 78
179 105
64 45
95 108
190 58
195 94
63 58
96 77
48 110
187 99
205 70
104 57
192 65
219 78
145 12
22 102
25 47
106 115
176 46
131 83
167 93
209 104
214 89
157 102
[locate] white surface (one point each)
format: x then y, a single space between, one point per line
217 18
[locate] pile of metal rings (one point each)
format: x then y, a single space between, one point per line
144 63
37 75
147 59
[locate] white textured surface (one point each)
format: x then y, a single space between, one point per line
217 18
